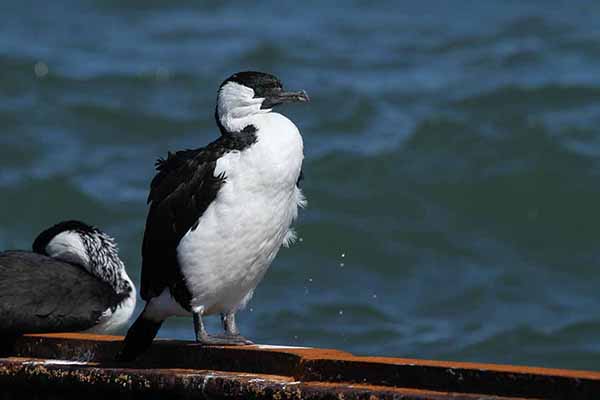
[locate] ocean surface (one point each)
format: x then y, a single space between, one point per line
452 159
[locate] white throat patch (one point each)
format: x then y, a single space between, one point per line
68 246
236 106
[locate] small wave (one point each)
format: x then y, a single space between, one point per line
266 56
109 124
524 99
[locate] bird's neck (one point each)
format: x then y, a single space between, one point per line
107 266
241 118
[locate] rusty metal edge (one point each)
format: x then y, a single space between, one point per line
329 366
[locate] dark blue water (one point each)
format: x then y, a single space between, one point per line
452 159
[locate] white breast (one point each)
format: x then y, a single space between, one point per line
240 233
110 321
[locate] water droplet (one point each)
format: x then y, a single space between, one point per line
342 265
374 295
343 255
301 239
310 280
341 312
40 69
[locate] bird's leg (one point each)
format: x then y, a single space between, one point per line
230 338
229 325
201 335
231 330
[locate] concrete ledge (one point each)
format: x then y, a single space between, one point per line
67 365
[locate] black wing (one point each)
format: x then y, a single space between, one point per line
180 192
41 294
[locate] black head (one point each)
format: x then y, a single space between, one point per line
266 86
81 244
41 241
249 93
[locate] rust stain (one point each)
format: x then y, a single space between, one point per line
77 336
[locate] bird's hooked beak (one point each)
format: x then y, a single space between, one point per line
278 97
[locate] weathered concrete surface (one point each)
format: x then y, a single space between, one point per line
69 365
30 378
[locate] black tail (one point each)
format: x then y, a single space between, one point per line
139 338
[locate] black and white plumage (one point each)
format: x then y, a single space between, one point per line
73 280
219 214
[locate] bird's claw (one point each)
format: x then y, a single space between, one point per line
224 340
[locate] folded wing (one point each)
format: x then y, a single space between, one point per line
41 294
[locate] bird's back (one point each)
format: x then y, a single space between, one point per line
41 294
